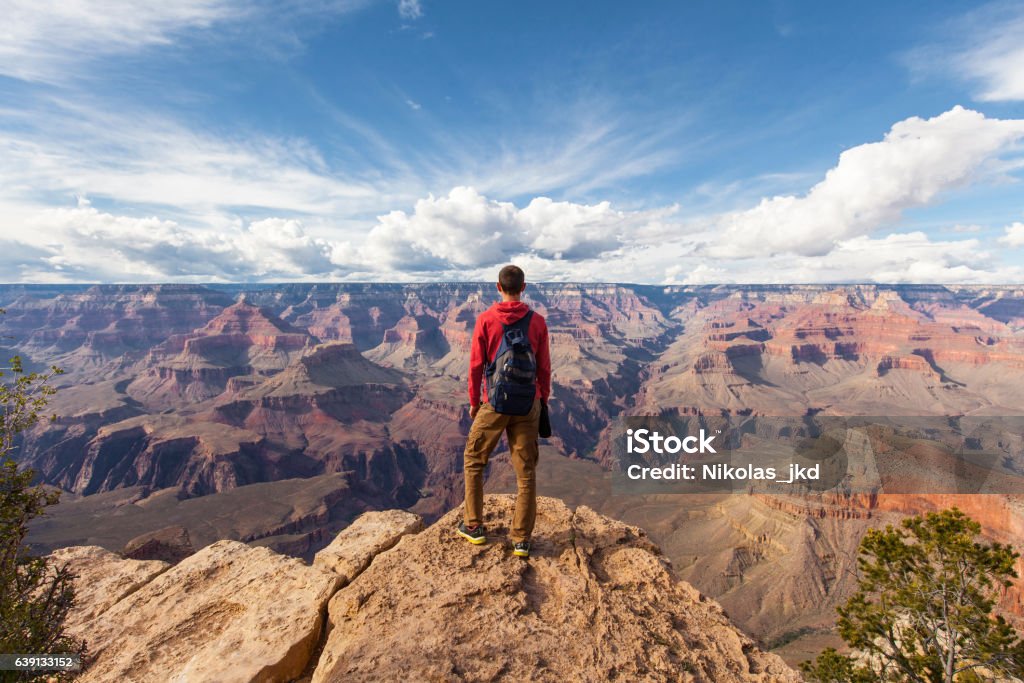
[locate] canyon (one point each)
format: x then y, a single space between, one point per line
274 415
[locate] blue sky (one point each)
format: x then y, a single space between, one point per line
219 140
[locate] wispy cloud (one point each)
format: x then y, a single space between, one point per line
984 47
184 204
62 150
59 41
54 148
410 10
575 148
42 39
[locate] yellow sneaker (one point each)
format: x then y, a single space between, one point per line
476 535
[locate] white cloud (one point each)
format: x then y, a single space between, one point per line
282 245
19 261
578 148
871 186
43 37
57 41
84 243
168 198
994 54
463 235
64 150
467 230
910 258
410 9
52 148
464 229
701 274
1014 236
564 230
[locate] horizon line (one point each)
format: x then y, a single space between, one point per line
528 282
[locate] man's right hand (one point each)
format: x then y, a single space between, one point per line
473 410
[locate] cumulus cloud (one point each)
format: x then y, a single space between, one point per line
568 231
466 235
897 258
909 258
871 186
84 243
465 229
282 245
1014 235
700 274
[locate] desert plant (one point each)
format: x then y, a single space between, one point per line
35 594
923 611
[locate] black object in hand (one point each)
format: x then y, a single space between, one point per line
544 430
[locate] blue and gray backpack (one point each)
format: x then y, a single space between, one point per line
512 375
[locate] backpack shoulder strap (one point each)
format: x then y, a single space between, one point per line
523 322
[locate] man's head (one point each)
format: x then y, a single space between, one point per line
511 281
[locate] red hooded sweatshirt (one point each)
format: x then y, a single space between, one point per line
487 339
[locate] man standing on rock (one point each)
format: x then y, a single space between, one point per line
510 346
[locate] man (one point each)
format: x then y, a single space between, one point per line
509 319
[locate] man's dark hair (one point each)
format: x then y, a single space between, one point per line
511 279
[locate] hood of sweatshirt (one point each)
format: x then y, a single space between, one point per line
510 311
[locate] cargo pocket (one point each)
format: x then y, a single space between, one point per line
476 440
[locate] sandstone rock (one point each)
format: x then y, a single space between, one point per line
596 601
101 579
230 612
170 544
371 534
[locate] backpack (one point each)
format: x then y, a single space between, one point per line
512 375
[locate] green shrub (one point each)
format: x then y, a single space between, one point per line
923 611
35 593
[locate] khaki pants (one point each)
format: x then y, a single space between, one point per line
522 443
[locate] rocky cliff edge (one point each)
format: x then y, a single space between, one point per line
389 601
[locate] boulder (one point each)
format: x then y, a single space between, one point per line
170 544
101 579
371 534
230 612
